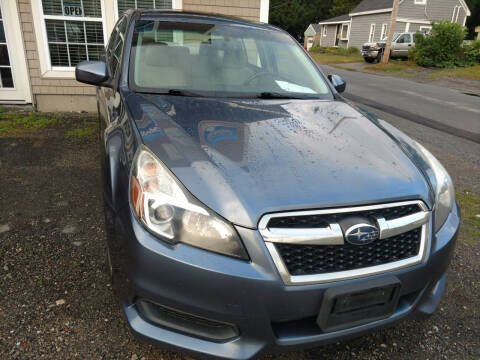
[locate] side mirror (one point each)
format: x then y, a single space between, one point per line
92 72
338 83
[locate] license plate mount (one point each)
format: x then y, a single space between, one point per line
352 305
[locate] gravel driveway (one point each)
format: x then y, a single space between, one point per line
56 301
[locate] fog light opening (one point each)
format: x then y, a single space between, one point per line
189 324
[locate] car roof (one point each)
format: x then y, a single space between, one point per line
198 16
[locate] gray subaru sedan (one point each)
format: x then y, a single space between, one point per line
249 207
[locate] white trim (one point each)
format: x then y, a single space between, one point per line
176 4
371 12
407 27
21 92
324 31
335 22
371 35
464 20
420 2
425 27
384 31
458 13
455 11
465 7
414 21
46 69
264 10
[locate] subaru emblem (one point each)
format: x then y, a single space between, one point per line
361 234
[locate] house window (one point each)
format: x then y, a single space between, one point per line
124 5
420 2
384 31
456 13
425 29
344 33
371 36
74 31
324 30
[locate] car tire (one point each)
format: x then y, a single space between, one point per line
369 60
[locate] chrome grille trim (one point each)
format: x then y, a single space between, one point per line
333 235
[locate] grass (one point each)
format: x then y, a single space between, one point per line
331 58
16 122
470 209
472 72
396 67
89 129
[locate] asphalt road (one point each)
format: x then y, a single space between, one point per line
436 107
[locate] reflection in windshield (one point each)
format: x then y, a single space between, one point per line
221 60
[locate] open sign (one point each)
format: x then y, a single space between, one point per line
72 10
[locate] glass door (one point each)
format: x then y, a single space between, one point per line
14 87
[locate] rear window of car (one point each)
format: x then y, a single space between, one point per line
221 60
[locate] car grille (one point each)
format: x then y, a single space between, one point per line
310 246
366 47
307 260
323 220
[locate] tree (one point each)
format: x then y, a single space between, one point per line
341 7
474 19
294 16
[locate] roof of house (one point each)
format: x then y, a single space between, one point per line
372 5
336 19
316 27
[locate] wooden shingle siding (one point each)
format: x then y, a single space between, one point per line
246 9
328 40
361 28
433 10
41 85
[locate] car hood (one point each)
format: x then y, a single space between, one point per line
245 158
374 43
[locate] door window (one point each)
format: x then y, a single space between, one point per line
405 38
6 78
115 47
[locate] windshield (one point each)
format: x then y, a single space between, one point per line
221 60
394 38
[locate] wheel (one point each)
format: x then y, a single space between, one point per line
369 60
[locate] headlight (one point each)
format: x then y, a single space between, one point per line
444 191
168 210
374 47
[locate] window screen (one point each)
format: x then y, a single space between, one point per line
344 31
71 41
124 5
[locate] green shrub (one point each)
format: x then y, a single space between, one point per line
316 48
470 54
352 50
442 48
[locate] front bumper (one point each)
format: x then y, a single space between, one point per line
270 316
369 53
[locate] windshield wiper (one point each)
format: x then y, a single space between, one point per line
275 95
177 92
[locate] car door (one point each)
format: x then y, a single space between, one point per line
402 45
